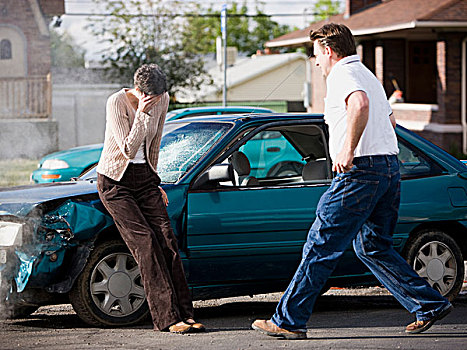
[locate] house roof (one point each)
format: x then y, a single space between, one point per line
245 69
389 15
255 66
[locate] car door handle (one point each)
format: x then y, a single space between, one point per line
273 149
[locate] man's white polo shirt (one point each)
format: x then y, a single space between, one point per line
349 75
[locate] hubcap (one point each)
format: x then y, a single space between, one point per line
119 284
116 286
436 263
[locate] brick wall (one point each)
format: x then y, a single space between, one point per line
19 14
452 97
52 7
450 142
422 116
449 80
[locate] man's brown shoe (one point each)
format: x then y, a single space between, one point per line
422 326
269 328
181 328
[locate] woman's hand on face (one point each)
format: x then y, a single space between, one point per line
164 196
147 102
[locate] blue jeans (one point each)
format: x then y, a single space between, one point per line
360 206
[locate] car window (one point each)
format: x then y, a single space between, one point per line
280 156
182 145
91 174
413 163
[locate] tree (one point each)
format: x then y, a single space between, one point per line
323 9
64 51
248 34
142 31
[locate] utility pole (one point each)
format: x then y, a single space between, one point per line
224 40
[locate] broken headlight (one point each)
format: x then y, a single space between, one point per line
11 234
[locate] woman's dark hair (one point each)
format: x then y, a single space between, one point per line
150 79
336 36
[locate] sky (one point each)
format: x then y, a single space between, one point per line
74 25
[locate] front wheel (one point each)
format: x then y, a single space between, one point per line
437 258
109 291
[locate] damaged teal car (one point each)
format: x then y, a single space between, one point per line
240 228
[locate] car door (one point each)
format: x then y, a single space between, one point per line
240 234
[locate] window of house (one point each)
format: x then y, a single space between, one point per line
5 49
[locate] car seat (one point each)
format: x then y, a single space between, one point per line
315 170
242 169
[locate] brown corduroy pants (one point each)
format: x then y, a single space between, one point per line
136 205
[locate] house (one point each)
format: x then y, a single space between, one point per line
417 45
261 78
25 84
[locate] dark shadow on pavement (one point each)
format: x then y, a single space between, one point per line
330 312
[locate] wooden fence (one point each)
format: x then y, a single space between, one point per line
29 97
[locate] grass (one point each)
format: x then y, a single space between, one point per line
16 172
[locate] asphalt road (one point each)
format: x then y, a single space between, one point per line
343 319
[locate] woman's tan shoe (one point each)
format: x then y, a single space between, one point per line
197 327
181 328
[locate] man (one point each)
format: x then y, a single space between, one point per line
362 203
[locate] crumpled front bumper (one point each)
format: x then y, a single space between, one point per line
11 236
49 251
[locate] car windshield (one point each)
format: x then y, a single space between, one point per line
182 146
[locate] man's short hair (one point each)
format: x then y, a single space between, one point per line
150 79
336 36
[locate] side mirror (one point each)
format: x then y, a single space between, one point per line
216 173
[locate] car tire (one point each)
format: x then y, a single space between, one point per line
109 291
437 258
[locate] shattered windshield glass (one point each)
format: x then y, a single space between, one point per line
182 145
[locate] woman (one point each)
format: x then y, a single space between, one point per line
128 186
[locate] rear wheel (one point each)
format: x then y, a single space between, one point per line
437 258
109 291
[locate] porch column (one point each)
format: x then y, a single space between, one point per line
379 64
441 79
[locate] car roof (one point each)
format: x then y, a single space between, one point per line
248 117
221 109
